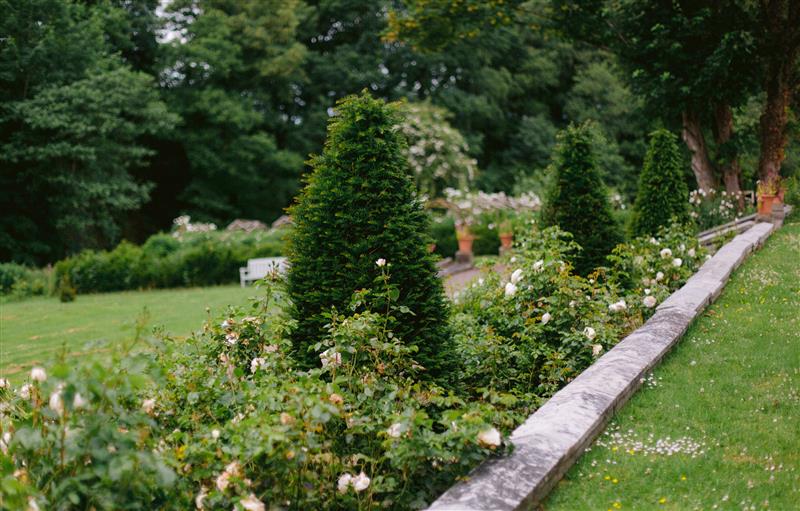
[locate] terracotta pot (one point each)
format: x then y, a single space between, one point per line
465 244
506 239
765 203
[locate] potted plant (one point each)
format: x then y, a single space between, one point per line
770 192
465 237
506 233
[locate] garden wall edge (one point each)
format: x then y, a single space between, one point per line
551 440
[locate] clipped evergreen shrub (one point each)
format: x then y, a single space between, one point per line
577 201
359 205
663 194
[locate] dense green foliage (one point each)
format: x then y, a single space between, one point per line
577 201
663 194
164 261
359 207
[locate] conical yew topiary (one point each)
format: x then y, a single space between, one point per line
360 205
577 201
663 194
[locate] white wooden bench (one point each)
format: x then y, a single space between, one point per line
257 269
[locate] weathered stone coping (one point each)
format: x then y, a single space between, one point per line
553 438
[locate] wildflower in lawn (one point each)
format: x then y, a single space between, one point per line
597 349
56 404
510 290
677 262
78 401
395 430
251 503
516 276
659 276
489 438
380 262
360 482
148 406
25 391
344 482
546 318
538 265
330 358
590 333
666 253
38 374
649 301
5 441
198 500
618 306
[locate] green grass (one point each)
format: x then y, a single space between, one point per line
35 330
727 398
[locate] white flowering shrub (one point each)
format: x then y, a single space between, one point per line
710 208
225 420
647 270
437 152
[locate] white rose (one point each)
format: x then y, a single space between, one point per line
256 364
572 303
395 430
691 252
38 374
653 241
3 383
360 482
597 349
78 401
618 306
677 262
380 262
198 500
330 357
510 290
649 301
659 276
148 405
590 333
665 253
516 276
538 265
5 441
344 482
489 438
546 318
232 338
215 434
25 391
56 404
32 505
223 480
251 503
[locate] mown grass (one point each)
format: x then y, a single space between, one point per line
34 330
725 403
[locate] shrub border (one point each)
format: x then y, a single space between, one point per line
551 439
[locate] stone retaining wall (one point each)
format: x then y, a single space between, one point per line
553 438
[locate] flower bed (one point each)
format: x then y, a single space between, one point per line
227 420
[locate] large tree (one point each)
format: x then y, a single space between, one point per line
72 118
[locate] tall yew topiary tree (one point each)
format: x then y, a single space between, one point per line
663 194
577 201
359 205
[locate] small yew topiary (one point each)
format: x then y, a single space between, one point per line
577 201
359 205
663 194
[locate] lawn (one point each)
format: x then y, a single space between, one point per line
717 425
34 330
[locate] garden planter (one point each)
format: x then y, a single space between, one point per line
465 243
506 240
765 203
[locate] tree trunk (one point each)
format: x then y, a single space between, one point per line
729 158
696 142
773 123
